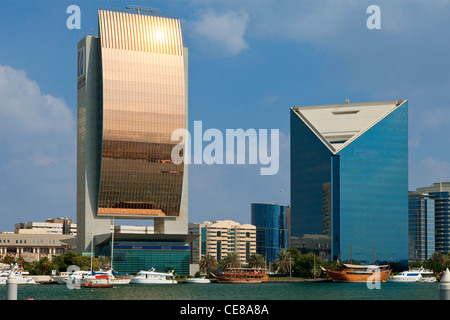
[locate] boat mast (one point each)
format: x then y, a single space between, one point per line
92 244
350 253
112 244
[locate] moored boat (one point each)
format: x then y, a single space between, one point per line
114 277
71 278
153 277
414 275
242 275
198 280
19 273
96 281
359 273
19 278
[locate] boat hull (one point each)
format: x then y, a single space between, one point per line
339 276
19 280
60 279
194 280
410 279
102 285
242 275
152 281
120 281
224 280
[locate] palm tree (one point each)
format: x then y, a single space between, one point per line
284 262
44 264
8 259
232 260
207 263
256 261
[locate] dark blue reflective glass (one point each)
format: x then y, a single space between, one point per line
374 192
271 229
355 201
310 190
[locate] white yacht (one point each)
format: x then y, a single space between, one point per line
113 278
19 277
414 275
198 280
71 278
153 277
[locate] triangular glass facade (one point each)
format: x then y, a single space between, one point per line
350 199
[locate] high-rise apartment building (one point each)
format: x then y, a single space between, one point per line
132 94
421 226
349 180
218 238
440 193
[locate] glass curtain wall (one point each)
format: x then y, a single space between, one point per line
143 103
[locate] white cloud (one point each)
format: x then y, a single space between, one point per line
270 98
37 152
26 108
220 32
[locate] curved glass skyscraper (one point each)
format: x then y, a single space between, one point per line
132 94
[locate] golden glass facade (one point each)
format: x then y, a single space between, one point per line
144 101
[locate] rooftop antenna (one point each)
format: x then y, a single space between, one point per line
143 9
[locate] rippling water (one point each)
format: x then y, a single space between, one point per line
216 291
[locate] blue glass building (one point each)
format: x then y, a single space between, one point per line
349 181
421 226
135 252
271 229
440 192
442 221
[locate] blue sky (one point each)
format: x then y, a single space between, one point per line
249 62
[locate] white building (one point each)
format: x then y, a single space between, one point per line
218 238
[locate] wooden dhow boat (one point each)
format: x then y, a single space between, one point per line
242 275
359 273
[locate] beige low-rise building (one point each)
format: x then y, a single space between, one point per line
218 238
50 226
34 246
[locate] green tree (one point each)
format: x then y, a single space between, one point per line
256 261
71 258
295 252
308 266
104 261
207 263
232 260
284 262
68 259
438 262
43 265
8 259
